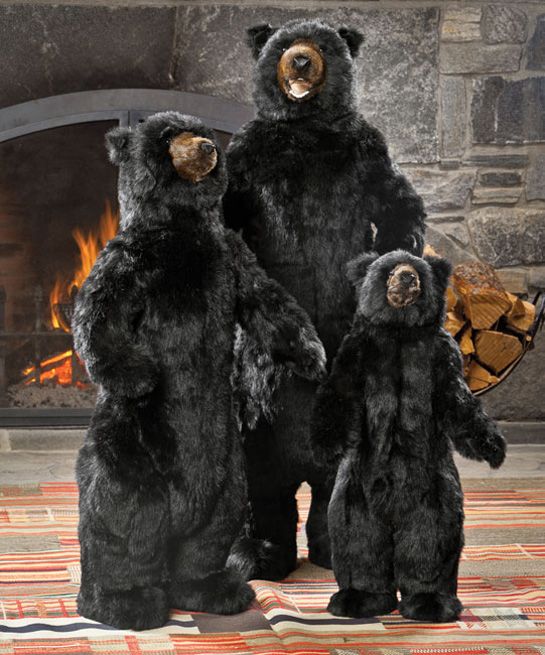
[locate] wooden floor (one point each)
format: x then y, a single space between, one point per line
16 467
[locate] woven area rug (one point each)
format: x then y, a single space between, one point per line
502 586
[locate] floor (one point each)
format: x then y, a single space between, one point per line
17 467
501 575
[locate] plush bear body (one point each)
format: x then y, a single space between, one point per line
161 473
392 408
308 178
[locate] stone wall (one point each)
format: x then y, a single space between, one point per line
457 88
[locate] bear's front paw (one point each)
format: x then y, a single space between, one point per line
495 450
308 359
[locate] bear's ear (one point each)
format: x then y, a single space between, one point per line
353 38
441 271
356 269
117 144
257 36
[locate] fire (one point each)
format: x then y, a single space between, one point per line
89 245
59 367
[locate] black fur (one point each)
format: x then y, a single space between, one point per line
392 408
161 474
307 182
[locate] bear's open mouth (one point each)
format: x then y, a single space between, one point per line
299 88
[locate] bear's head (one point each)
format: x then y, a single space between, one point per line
400 289
170 159
304 68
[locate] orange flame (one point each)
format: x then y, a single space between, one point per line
90 244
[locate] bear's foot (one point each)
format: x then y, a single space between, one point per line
431 607
257 559
140 608
222 592
275 567
319 552
361 604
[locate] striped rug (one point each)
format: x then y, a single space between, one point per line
502 586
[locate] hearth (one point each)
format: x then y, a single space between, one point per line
58 209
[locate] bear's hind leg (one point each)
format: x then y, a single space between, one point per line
123 530
362 548
275 520
319 545
199 578
427 552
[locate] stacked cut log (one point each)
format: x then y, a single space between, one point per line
489 323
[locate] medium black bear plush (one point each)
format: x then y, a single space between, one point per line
393 406
307 180
161 473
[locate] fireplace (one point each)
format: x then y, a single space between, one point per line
58 208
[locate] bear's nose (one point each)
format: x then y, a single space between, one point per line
301 63
207 148
407 278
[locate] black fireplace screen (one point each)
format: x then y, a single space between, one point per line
57 209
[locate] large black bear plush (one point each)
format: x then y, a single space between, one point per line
394 405
307 180
157 322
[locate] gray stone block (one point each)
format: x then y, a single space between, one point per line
499 178
46 439
514 279
535 177
461 24
508 111
496 195
457 231
458 58
442 190
504 24
508 236
47 50
453 116
497 160
396 75
536 278
536 46
447 247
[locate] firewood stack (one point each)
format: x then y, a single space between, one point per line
489 323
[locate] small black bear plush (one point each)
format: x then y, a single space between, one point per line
393 407
308 180
162 473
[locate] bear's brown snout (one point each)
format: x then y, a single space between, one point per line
403 286
301 70
193 156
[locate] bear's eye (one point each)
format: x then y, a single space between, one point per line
167 134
